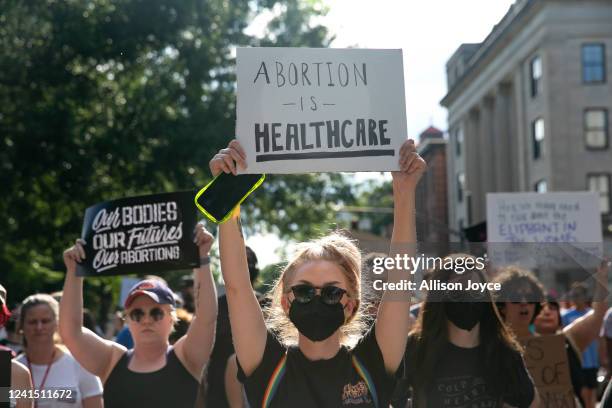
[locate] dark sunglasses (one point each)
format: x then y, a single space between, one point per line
156 314
330 295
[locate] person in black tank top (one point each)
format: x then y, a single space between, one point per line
171 386
153 372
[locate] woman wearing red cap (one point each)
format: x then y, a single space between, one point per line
153 371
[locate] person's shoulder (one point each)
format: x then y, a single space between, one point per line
68 360
570 314
20 375
21 358
19 368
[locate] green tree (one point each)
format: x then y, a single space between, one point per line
101 99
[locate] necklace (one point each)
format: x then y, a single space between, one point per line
44 379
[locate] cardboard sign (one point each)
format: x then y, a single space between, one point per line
146 234
318 109
567 227
546 361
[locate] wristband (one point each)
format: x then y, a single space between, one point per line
204 261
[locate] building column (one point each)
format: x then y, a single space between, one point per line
473 175
521 133
504 146
488 140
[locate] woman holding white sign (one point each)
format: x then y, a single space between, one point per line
318 297
153 371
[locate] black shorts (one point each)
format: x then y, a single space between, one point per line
590 377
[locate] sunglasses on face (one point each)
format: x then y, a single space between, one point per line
330 295
156 314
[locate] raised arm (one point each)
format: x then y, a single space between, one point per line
96 355
246 318
393 319
194 348
585 330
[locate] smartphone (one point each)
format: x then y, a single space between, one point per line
218 199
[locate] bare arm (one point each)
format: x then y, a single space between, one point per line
393 319
246 318
195 347
233 388
21 380
585 330
95 354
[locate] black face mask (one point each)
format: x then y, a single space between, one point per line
464 315
315 319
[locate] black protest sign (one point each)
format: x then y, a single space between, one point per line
547 362
146 234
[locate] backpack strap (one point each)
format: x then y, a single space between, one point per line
275 379
366 377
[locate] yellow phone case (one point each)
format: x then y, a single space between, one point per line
229 214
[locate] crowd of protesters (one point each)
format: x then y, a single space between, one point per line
320 338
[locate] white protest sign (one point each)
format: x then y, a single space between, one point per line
319 109
545 218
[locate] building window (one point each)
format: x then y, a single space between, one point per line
537 136
458 141
596 128
600 183
536 76
460 186
593 63
541 186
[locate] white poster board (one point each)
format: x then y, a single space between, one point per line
566 226
320 109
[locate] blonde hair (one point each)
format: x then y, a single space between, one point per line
36 300
336 248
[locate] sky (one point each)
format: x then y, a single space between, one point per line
428 32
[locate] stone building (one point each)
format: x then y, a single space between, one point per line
529 107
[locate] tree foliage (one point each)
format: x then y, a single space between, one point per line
101 99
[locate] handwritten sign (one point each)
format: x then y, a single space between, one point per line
566 225
317 109
146 234
546 361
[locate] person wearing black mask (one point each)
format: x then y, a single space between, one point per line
301 358
459 353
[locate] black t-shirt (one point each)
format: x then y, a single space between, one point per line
352 378
460 381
